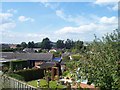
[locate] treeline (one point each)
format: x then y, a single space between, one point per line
48 44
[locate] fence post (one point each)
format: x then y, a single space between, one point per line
9 82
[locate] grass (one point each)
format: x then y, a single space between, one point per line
43 84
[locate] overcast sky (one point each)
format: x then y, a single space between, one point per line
33 21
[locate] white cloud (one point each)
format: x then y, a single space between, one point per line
105 1
12 11
5 16
60 13
103 26
18 37
111 20
23 19
7 22
111 4
7 26
52 6
77 19
83 32
73 30
115 7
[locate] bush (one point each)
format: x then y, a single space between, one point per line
65 73
16 76
31 74
16 65
66 59
76 57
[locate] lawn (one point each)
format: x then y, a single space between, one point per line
43 84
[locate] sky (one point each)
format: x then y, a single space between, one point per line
33 21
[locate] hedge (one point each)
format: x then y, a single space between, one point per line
17 65
31 74
16 76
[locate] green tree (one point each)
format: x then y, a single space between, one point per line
78 45
31 44
100 65
46 43
23 44
18 46
60 44
37 45
69 44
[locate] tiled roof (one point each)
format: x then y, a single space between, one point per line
26 56
82 85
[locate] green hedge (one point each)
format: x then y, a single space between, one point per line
17 65
31 74
16 76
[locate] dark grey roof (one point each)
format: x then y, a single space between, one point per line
47 65
27 56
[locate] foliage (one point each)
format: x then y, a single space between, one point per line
37 45
16 76
78 45
43 84
23 44
16 65
8 50
31 44
69 44
100 65
57 54
65 73
31 74
60 44
46 43
76 57
66 59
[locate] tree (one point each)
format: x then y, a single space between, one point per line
18 46
79 45
23 44
37 45
101 65
31 44
46 43
69 44
60 44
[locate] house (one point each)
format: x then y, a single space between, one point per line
29 50
53 50
36 49
4 46
33 59
13 46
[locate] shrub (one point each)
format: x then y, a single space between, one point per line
31 74
76 57
65 73
66 59
16 76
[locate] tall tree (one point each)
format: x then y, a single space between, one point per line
60 44
31 44
78 45
69 44
23 44
37 45
101 65
46 43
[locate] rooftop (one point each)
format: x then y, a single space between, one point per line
26 56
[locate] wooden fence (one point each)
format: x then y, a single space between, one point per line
11 83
